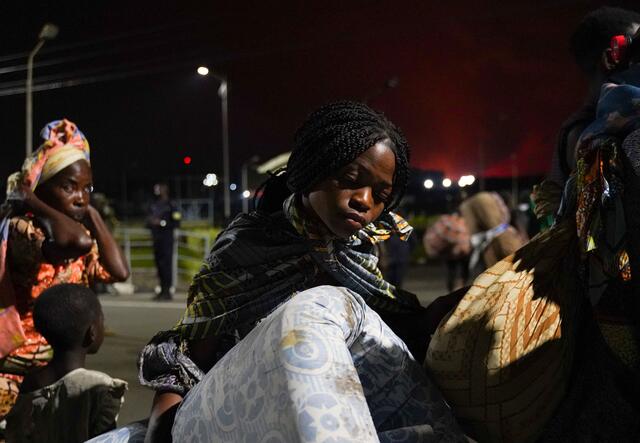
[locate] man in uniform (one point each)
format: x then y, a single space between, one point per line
162 220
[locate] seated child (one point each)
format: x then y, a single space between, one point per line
63 402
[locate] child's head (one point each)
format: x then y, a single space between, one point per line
70 317
349 164
593 35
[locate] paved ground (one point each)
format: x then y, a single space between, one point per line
133 319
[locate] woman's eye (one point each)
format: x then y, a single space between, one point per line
349 178
67 188
89 189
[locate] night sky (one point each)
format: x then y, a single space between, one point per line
492 77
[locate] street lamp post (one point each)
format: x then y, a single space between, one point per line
49 32
224 100
245 182
223 94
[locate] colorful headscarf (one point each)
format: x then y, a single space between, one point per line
64 144
600 216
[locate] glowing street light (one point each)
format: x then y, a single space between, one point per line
203 70
446 182
466 180
246 194
210 180
233 187
428 183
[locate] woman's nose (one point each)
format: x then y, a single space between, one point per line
81 198
362 199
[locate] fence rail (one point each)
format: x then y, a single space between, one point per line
190 249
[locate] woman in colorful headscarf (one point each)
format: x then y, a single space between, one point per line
316 224
50 235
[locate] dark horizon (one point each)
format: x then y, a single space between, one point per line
495 80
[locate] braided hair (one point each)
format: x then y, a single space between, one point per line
329 139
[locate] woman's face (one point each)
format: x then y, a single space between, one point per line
356 194
69 190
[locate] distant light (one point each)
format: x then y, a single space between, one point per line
186 160
523 207
428 183
210 180
466 180
446 182
233 186
203 70
246 193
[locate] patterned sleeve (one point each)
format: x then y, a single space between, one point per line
95 271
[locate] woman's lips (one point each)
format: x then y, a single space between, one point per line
78 215
355 220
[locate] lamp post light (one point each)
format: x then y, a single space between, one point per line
223 94
48 32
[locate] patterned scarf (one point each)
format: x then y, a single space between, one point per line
258 263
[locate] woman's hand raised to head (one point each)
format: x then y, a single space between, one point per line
66 238
111 255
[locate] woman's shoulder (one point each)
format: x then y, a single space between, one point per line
258 226
256 236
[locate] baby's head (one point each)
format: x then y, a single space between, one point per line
70 317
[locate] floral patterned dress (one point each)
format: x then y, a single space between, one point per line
31 274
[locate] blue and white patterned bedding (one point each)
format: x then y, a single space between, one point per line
323 367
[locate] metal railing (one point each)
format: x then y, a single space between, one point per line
196 209
190 249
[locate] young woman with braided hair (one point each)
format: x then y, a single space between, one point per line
305 350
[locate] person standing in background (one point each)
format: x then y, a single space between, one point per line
162 220
448 239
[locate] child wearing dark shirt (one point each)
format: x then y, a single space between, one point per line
63 401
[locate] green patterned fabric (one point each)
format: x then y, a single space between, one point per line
258 263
